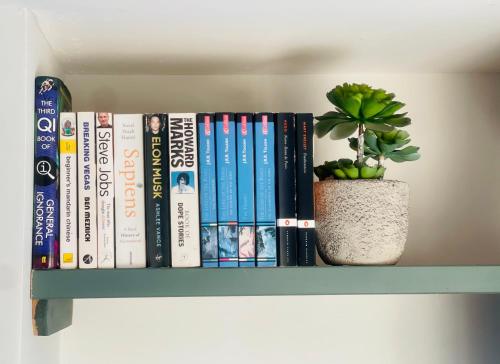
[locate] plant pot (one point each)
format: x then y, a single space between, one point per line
361 222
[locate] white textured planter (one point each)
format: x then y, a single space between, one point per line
361 222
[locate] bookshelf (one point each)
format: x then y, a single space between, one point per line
58 287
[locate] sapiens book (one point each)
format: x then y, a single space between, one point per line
306 238
246 189
285 189
227 192
105 191
68 198
87 211
184 203
208 190
51 98
265 203
130 226
157 190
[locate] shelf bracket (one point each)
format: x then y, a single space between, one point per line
50 316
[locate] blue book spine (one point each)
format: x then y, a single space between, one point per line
227 194
246 189
265 202
51 98
208 191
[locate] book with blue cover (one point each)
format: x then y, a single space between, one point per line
51 98
208 190
246 189
265 203
227 193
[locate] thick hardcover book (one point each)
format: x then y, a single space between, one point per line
87 211
157 190
305 198
130 229
246 189
105 191
68 192
227 193
208 190
51 98
285 189
265 203
184 204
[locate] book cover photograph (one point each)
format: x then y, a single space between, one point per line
305 198
87 212
157 190
51 98
105 191
184 195
246 194
227 193
130 229
285 187
265 203
68 192
208 191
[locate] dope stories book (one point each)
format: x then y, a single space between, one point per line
184 204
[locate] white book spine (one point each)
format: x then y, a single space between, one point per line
87 214
184 205
105 191
68 224
129 191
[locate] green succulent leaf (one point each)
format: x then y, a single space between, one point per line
345 163
398 122
408 150
352 172
378 127
399 158
391 109
343 130
372 107
380 172
368 172
371 141
340 174
324 126
322 172
332 115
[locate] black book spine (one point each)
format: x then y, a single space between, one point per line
157 190
305 198
285 172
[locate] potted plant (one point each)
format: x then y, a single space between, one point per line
362 219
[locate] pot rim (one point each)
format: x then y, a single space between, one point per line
331 180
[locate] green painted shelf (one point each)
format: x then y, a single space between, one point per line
53 291
179 282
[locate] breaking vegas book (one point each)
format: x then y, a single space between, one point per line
184 203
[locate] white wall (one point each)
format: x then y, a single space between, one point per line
24 53
454 207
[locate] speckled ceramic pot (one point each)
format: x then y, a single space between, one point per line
361 222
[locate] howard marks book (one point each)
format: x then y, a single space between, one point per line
265 204
305 198
184 205
105 191
87 213
51 98
130 227
285 187
157 190
68 192
246 193
208 191
227 193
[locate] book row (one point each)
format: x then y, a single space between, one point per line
169 190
